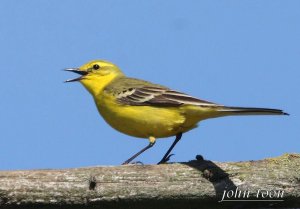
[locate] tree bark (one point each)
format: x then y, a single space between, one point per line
195 184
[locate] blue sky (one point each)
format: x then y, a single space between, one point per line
239 53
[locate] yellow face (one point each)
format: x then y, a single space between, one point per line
95 75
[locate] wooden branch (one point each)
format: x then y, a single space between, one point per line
196 184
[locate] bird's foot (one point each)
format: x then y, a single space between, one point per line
165 160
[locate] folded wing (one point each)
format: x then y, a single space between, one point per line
159 96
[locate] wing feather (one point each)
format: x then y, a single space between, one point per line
158 96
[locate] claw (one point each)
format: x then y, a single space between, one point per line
165 160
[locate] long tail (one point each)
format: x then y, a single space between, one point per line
251 111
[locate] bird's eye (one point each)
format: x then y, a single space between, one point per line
96 67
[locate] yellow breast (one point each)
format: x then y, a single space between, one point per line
141 121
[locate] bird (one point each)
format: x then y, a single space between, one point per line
146 110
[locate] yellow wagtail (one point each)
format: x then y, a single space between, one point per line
146 110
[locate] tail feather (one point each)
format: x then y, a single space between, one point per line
252 111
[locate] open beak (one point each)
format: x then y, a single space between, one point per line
78 71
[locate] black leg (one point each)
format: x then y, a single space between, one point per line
151 143
167 155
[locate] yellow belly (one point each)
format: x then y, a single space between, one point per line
146 121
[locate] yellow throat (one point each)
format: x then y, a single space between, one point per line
100 74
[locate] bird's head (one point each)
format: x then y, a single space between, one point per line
95 75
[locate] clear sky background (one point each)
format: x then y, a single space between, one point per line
239 53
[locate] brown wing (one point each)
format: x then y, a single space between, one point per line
158 96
